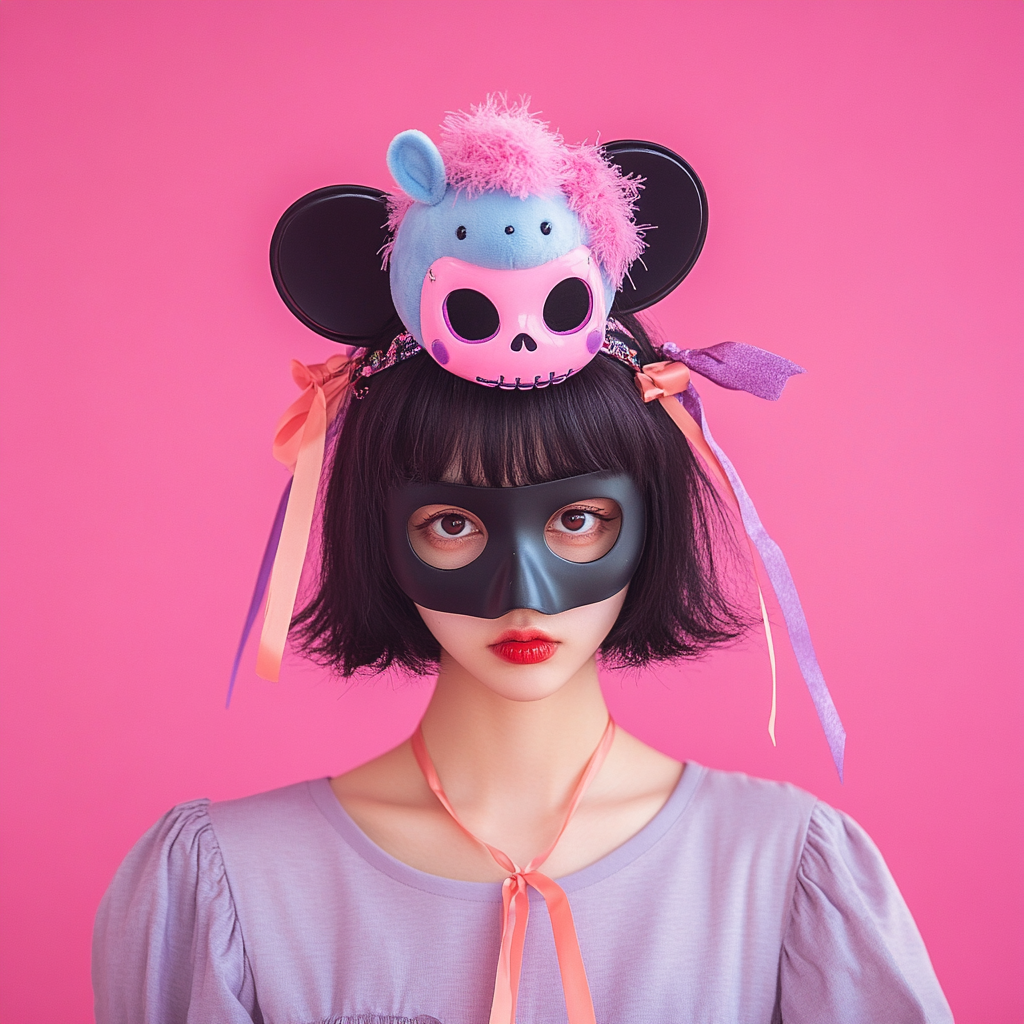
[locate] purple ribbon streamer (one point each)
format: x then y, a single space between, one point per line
738 367
747 368
262 579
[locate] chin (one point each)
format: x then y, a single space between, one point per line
524 683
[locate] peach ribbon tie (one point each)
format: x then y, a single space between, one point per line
515 901
299 440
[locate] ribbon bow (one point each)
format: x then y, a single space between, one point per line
741 367
664 381
657 380
323 389
299 440
515 900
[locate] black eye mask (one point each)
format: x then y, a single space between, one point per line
516 568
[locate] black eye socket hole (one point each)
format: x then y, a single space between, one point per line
471 316
545 227
460 232
568 306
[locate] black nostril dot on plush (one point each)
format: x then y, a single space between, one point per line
523 339
509 230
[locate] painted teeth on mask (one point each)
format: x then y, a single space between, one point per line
518 385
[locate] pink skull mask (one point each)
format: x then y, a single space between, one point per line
514 328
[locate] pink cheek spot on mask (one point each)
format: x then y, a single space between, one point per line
514 329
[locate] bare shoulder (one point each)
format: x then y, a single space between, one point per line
389 800
634 784
636 771
393 779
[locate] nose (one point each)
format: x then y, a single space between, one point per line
520 582
523 339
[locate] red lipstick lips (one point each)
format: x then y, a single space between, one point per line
524 646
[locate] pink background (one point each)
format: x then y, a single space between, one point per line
863 163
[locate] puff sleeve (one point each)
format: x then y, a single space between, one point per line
852 952
167 946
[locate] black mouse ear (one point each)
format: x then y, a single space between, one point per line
674 210
326 260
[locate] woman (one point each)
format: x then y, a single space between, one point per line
504 535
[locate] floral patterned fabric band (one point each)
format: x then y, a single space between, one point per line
405 346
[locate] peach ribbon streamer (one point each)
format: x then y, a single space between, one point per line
662 381
299 440
515 901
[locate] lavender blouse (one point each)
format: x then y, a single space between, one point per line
741 900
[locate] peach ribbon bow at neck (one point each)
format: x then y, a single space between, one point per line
515 901
299 440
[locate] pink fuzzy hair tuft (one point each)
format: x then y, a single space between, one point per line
498 145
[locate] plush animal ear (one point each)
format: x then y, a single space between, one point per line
674 210
417 167
326 260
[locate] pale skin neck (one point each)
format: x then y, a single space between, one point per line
494 752
509 768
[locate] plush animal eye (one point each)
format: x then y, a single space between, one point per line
568 306
509 230
545 227
460 232
471 316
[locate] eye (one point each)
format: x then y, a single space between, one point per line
460 232
584 531
575 520
452 525
470 315
446 537
545 227
509 230
568 306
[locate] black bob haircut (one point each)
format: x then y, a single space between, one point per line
418 422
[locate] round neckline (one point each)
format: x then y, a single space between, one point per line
638 844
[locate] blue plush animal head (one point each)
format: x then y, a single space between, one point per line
504 194
504 246
492 229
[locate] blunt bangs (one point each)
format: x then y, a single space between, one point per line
417 422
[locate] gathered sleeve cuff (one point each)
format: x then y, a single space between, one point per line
852 952
167 945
